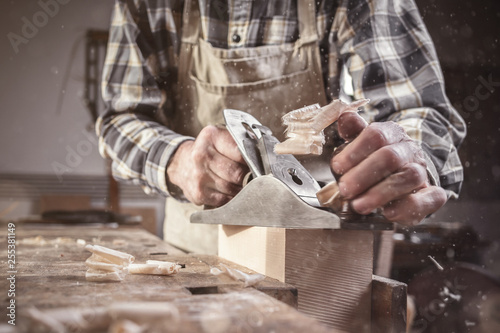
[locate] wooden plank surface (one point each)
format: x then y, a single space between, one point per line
51 277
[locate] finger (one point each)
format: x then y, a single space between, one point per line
214 198
209 190
412 209
225 145
372 138
412 176
225 168
221 185
374 168
350 124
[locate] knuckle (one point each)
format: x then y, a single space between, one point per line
415 174
377 135
239 175
197 197
208 130
391 157
440 197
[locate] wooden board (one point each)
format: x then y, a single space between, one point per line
244 310
389 310
51 277
332 269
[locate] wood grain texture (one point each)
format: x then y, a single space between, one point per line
52 278
332 269
244 310
388 305
383 245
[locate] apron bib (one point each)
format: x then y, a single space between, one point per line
265 81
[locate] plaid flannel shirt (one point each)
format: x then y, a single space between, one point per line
379 50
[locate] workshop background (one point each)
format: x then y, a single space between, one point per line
48 145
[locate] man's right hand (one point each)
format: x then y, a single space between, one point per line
210 169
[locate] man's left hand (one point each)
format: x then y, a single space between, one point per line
384 168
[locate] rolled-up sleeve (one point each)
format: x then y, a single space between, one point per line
131 131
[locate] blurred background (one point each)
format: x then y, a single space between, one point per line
48 82
49 85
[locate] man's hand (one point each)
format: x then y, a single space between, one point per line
209 170
384 167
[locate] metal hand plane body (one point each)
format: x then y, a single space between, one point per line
256 143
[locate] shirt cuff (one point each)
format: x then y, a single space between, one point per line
156 172
432 173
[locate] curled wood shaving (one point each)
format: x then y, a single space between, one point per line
163 268
305 126
329 196
93 275
98 263
110 265
248 279
113 256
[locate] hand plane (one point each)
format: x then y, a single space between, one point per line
281 192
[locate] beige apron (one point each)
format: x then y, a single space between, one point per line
265 81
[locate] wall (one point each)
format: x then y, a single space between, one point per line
46 132
33 132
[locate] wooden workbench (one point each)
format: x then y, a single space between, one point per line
51 278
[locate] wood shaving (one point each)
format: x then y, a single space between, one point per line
111 265
166 268
248 279
93 275
329 196
114 256
305 126
106 265
99 263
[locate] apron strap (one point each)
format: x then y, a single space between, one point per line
306 12
191 22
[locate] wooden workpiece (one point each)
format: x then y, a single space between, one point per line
332 269
51 278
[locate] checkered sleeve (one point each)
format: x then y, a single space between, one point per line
391 59
130 132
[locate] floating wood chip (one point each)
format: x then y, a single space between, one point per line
305 126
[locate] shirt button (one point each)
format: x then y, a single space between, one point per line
236 38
